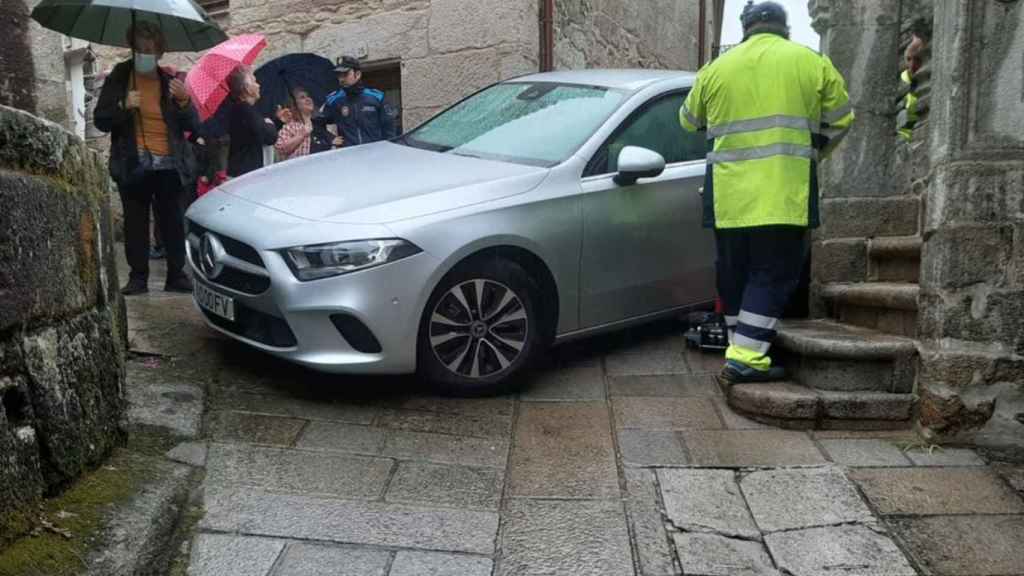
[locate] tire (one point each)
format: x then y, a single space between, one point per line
467 349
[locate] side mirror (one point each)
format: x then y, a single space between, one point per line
635 163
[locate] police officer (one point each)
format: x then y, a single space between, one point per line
771 108
360 113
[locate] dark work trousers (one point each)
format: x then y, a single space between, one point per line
163 188
758 271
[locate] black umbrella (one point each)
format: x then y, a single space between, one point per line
278 77
185 25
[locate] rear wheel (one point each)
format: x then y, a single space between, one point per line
481 328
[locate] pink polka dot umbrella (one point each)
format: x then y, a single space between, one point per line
207 80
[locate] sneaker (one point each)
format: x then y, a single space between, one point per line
180 284
737 373
134 287
157 253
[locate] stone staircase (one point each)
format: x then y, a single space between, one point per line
856 367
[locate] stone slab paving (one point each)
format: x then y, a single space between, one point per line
579 380
563 451
864 452
447 485
945 457
803 498
740 448
652 448
479 426
666 413
706 501
674 385
304 559
618 458
715 555
850 550
645 515
922 491
227 555
437 564
969 545
229 426
547 537
299 471
258 512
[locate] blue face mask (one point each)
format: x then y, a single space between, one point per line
145 63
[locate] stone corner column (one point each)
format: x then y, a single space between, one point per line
971 382
858 198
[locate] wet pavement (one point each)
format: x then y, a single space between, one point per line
618 457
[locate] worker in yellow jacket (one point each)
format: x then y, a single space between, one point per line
772 109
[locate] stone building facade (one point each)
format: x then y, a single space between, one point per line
428 54
32 73
925 239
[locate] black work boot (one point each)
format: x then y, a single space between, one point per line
738 373
134 287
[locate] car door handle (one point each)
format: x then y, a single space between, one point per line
700 190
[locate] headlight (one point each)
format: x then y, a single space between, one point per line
336 258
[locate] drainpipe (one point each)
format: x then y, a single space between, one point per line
701 26
547 35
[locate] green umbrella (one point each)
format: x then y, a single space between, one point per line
186 26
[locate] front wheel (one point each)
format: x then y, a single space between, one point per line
481 328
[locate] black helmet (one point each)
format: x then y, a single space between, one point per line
762 13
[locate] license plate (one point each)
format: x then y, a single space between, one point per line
215 302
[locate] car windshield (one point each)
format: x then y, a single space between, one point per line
537 123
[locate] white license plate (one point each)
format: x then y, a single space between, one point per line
215 302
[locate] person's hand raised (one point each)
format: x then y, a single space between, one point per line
133 100
283 114
179 91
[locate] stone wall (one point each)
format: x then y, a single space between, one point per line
62 323
448 49
972 275
627 34
31 65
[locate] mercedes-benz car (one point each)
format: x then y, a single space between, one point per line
538 210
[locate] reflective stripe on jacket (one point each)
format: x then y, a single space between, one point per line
772 108
907 118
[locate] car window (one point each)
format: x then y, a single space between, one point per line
540 123
655 127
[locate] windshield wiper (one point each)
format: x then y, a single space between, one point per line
412 143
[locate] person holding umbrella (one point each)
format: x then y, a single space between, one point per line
147 112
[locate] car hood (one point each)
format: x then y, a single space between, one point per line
381 182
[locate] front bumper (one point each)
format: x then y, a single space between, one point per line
292 319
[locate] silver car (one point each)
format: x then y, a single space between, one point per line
538 210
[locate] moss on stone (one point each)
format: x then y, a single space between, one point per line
82 511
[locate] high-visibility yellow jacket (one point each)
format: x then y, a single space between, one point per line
772 108
907 118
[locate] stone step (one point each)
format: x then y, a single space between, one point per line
894 259
790 405
889 307
828 355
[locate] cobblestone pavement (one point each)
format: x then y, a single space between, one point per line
619 457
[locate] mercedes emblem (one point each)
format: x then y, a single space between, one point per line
211 256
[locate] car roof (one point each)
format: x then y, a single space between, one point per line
623 79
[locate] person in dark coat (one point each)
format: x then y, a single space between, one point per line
147 112
248 130
360 113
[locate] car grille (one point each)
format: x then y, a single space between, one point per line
238 280
255 325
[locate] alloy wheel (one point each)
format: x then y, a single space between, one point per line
478 328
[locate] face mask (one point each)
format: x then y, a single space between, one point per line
145 63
